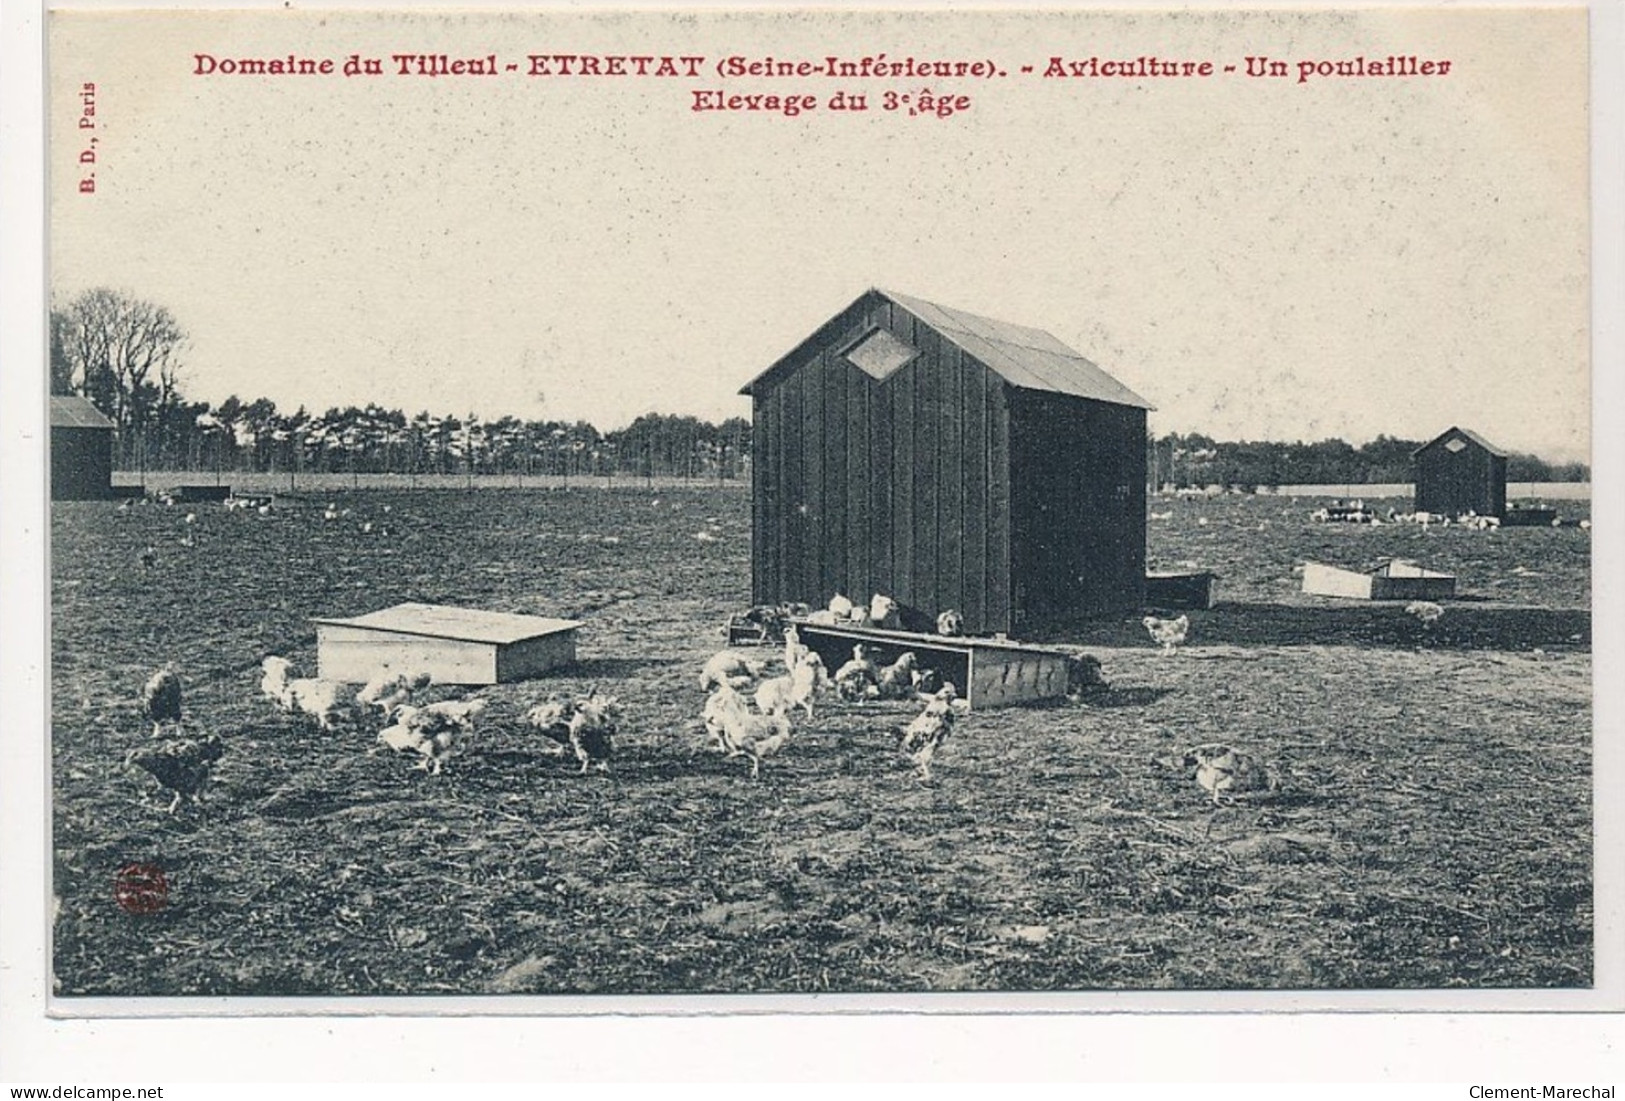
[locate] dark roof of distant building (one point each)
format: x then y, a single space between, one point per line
72 411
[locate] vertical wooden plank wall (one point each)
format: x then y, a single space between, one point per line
763 488
950 479
928 418
860 482
1450 483
905 490
973 459
999 614
942 485
792 554
1081 545
830 516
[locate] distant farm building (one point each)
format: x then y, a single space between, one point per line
81 451
950 461
1460 472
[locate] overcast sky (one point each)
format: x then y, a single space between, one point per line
1258 258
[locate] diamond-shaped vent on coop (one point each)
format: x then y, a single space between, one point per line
1455 445
879 353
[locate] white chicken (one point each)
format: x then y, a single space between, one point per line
748 735
402 738
1225 772
1167 633
722 700
435 731
274 681
328 702
552 717
161 699
781 695
384 693
793 647
950 624
730 668
1425 611
883 612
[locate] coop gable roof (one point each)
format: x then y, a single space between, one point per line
1030 359
70 411
1465 433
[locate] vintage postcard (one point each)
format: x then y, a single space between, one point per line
576 511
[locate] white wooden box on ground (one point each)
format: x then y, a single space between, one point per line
1396 580
453 645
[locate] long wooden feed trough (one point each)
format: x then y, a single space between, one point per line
987 672
453 645
1529 518
1392 581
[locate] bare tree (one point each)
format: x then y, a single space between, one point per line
121 352
62 363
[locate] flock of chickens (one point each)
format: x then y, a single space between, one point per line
182 765
738 731
585 726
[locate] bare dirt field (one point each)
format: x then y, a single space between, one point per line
1433 828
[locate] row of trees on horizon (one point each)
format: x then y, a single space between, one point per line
125 356
1197 460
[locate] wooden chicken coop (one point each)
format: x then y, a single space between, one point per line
81 451
453 645
1460 472
950 461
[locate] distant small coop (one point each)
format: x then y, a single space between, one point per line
1461 472
950 461
81 451
453 645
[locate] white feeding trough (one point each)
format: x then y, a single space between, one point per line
453 645
1395 580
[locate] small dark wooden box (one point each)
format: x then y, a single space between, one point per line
1174 589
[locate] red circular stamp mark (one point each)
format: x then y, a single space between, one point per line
140 889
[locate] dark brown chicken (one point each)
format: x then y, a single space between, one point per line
585 726
181 767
